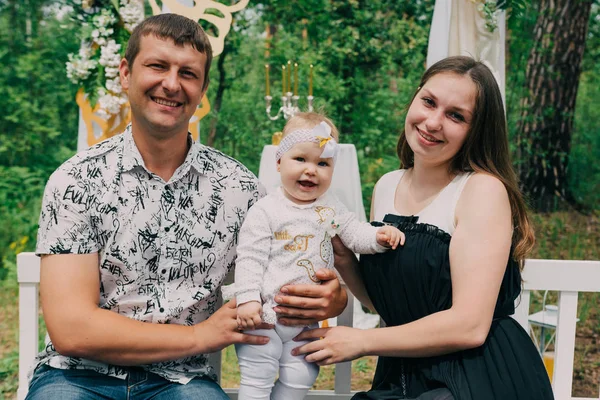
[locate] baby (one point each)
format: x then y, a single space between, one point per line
285 238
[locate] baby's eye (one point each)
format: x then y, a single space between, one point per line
299 159
323 164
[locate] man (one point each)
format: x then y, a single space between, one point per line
137 235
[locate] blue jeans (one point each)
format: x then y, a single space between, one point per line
50 383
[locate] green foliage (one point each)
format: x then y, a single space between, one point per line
37 124
368 57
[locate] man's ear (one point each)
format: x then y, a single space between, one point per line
124 73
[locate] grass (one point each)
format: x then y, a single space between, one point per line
362 373
562 235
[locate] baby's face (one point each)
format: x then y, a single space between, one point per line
304 174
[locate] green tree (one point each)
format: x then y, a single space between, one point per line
38 122
547 111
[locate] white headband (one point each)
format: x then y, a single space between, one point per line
319 134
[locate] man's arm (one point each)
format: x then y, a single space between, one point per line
78 327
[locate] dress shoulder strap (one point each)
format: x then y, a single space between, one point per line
384 194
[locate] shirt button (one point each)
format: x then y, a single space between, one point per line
164 271
161 309
167 229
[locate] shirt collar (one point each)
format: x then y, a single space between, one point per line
132 157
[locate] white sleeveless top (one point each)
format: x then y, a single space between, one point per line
440 212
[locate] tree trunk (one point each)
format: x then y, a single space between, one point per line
546 123
218 97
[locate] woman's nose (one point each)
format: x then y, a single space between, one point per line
434 121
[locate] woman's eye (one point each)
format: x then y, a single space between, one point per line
428 102
457 117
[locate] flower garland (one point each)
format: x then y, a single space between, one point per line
491 8
105 28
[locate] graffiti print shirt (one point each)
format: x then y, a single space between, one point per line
164 247
283 243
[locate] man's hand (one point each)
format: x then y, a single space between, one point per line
221 330
308 304
248 315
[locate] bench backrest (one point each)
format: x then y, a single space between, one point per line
567 277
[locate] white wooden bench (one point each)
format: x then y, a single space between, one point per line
28 275
566 277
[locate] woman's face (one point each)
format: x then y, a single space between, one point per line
439 118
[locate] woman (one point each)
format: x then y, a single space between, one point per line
446 296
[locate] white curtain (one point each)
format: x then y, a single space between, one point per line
458 28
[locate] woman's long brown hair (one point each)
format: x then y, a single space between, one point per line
486 146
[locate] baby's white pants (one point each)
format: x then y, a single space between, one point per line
259 365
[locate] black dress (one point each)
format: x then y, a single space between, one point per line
412 282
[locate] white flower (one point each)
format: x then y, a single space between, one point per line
132 13
114 85
101 28
109 54
111 72
105 19
333 228
109 103
79 67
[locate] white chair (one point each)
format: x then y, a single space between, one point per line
566 277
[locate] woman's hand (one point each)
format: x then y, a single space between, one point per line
337 345
308 304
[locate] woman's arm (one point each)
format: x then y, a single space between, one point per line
479 252
347 265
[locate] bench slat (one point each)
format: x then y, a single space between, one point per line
564 349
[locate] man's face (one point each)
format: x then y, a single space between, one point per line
164 86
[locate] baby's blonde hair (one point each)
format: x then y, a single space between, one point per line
308 120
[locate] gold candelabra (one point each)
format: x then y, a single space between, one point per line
289 99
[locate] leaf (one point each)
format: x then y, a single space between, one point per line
115 4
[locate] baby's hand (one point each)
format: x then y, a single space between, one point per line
248 315
390 236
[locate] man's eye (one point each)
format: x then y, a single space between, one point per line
188 73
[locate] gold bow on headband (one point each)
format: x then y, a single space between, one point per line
323 140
